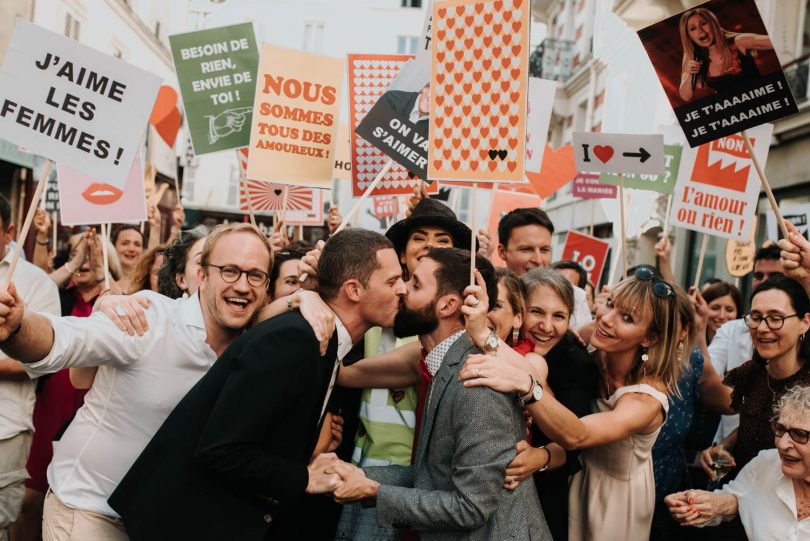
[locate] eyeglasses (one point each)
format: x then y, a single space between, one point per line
798 435
231 274
660 288
773 321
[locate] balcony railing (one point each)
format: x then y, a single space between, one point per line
553 59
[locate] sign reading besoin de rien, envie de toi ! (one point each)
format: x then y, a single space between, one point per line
73 104
717 65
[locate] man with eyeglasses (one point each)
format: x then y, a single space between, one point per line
140 378
732 345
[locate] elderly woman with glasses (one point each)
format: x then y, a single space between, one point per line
778 321
636 340
772 492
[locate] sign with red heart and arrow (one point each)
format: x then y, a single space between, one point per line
619 153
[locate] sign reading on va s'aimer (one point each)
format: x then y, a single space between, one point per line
292 139
717 65
73 104
216 70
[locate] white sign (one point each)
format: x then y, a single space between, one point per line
797 214
538 116
619 153
718 186
73 104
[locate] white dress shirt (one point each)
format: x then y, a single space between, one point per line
39 294
139 382
730 348
767 501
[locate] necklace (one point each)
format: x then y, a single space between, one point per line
802 499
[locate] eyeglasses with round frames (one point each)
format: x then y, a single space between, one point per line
799 435
231 274
773 321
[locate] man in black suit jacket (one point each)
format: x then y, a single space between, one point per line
231 461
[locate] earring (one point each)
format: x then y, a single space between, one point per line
680 351
516 335
644 356
801 338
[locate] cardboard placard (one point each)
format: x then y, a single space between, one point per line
504 201
216 69
740 255
718 68
619 153
589 252
587 186
479 87
718 186
73 104
292 138
797 214
656 183
85 200
369 77
538 117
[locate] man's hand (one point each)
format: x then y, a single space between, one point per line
485 244
337 432
795 255
321 481
11 311
355 485
334 220
419 192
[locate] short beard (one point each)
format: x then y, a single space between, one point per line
416 322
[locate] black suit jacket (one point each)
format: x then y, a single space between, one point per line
230 461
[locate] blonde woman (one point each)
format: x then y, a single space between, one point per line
714 57
636 340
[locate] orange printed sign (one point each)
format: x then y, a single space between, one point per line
292 138
479 90
589 252
504 201
557 170
720 172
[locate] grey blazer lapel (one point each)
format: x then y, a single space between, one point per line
441 380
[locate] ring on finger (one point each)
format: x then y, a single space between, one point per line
478 374
119 311
474 303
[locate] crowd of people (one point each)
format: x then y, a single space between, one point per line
199 389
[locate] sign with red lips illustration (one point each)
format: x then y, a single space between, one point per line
85 200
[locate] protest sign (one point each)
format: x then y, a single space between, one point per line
292 138
796 213
343 154
423 50
165 116
740 255
385 207
718 188
587 186
478 90
85 200
73 104
557 170
216 69
589 252
504 201
369 77
538 116
656 183
51 197
619 153
718 68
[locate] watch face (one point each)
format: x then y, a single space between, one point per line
537 392
492 341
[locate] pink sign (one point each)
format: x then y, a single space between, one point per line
85 200
587 186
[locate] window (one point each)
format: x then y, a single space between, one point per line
412 3
313 36
73 26
407 44
233 187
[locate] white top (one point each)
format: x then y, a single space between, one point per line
39 294
767 501
139 382
730 348
582 313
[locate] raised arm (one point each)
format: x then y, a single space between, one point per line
392 370
753 42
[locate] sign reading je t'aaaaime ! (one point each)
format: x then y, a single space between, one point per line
73 104
216 70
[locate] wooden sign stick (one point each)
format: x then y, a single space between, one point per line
700 260
666 217
473 212
623 226
43 180
105 235
765 185
593 212
249 201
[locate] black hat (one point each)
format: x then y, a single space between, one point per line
432 213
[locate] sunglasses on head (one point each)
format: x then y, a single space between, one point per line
660 288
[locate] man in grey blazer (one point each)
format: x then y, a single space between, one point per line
454 489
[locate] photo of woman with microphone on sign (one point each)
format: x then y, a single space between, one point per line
715 58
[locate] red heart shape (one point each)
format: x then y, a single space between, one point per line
603 152
164 104
557 170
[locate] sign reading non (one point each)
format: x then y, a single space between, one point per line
718 69
589 252
73 104
619 153
216 69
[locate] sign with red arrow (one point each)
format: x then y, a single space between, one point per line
619 153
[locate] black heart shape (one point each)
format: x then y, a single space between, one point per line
502 154
278 192
492 154
411 175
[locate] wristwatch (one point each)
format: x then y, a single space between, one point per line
491 343
534 394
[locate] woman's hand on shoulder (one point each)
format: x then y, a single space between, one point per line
128 312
